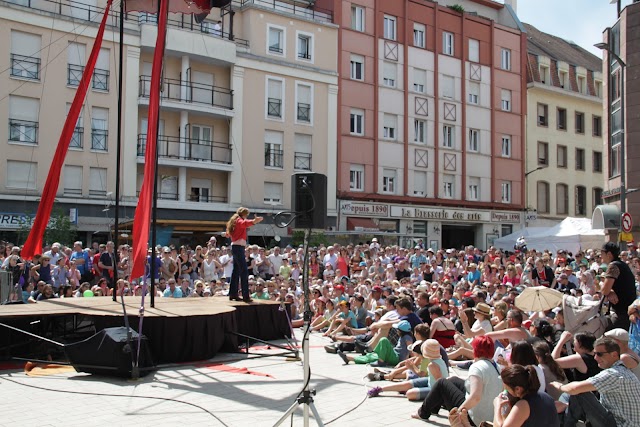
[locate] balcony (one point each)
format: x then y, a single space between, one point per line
304 112
302 161
77 138
163 196
177 148
273 158
99 138
206 198
25 67
23 131
293 8
198 96
74 74
274 107
100 80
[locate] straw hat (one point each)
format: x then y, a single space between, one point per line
431 349
483 308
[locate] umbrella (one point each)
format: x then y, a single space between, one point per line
538 298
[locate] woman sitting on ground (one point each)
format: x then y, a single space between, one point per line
442 329
583 364
481 326
531 407
499 320
329 313
552 371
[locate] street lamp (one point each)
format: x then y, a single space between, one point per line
623 167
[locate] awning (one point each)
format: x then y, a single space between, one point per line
605 217
361 224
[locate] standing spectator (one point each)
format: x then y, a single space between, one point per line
172 290
81 259
619 285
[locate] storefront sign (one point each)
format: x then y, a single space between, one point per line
13 221
513 217
364 209
438 214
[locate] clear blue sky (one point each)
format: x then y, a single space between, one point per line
581 21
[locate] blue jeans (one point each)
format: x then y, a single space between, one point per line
240 272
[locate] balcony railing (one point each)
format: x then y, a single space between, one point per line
311 13
273 158
207 198
274 107
276 48
304 55
77 138
304 112
302 161
197 93
100 79
23 131
175 147
25 67
99 139
74 74
163 196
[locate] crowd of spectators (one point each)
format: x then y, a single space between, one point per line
416 315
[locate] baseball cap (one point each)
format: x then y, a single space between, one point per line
377 288
403 326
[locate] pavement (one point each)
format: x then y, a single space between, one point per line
229 390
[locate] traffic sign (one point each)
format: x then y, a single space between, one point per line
626 222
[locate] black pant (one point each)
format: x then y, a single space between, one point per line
446 392
586 406
240 273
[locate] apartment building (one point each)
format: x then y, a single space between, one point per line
245 102
431 120
564 167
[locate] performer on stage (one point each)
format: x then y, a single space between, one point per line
237 232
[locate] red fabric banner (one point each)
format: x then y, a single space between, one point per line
142 218
33 244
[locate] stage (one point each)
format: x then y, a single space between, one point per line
178 329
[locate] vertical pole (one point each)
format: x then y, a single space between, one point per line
116 228
623 143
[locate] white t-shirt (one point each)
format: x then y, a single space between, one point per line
228 269
485 324
276 262
491 387
390 315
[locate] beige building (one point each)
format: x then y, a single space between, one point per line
564 165
248 98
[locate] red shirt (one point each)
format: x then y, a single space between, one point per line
240 230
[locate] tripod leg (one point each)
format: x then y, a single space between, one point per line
287 414
316 415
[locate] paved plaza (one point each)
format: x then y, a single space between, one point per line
229 390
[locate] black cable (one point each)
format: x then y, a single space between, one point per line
88 393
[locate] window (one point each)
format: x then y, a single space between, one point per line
101 72
474 140
302 153
389 74
200 190
273 153
25 66
305 47
562 199
99 128
418 35
357 67
21 175
357 18
200 135
545 77
597 161
23 119
543 197
506 100
543 115
474 50
562 119
614 161
616 88
474 93
506 192
473 192
543 154
77 138
76 61
274 98
389 126
448 87
304 94
581 200
579 122
506 146
72 180
97 182
579 159
448 190
505 62
419 183
419 80
597 126
598 87
357 122
419 131
272 193
597 197
447 136
447 43
389 181
563 79
389 27
562 156
275 41
582 84
356 178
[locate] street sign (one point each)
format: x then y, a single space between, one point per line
626 237
626 222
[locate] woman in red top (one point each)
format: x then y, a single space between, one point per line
237 231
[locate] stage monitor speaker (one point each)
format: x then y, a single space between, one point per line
305 188
107 353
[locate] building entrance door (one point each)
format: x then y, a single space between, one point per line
457 236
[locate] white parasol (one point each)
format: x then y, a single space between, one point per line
538 298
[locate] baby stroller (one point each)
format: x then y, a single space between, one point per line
582 315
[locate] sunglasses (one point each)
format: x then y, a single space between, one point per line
600 353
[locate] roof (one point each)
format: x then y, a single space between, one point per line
543 44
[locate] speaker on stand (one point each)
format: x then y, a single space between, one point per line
307 188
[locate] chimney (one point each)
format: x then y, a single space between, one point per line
513 4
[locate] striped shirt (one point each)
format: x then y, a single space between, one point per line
619 393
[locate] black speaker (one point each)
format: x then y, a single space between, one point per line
307 188
108 353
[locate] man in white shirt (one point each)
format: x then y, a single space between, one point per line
226 260
54 253
331 258
276 261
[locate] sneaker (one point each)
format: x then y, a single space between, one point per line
375 376
343 357
373 392
331 349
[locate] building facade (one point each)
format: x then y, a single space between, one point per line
564 167
431 120
248 98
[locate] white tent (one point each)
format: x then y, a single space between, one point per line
572 234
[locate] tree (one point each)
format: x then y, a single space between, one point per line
59 228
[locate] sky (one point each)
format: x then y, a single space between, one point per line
580 21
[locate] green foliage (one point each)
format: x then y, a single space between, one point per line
457 8
59 229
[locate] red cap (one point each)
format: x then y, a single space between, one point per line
377 288
339 287
468 294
